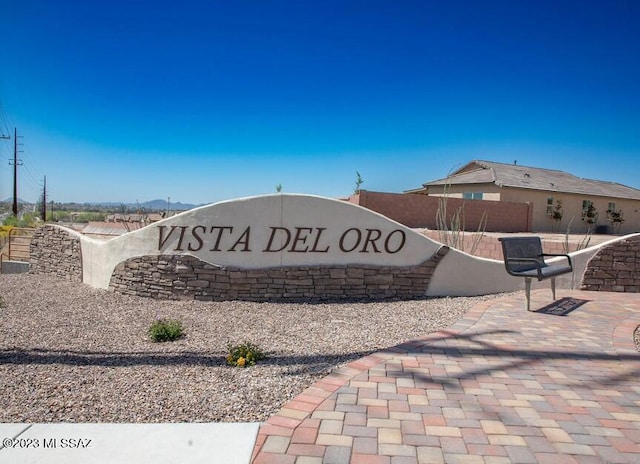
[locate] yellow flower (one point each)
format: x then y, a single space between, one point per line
240 362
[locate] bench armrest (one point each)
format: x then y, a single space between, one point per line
559 255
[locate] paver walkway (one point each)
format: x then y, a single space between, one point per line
503 385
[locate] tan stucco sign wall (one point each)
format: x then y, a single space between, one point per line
279 246
264 232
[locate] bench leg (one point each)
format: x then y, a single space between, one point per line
527 289
553 288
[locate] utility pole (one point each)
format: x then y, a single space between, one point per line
16 163
44 200
4 137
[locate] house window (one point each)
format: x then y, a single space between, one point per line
472 195
585 205
549 206
612 207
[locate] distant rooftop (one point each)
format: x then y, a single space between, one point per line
527 177
110 229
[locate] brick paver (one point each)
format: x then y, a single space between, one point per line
501 385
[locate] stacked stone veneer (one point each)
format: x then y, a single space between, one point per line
615 268
187 277
55 251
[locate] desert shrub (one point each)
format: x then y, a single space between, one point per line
244 354
165 330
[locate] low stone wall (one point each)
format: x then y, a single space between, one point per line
187 277
56 251
615 268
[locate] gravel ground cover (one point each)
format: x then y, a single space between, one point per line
72 353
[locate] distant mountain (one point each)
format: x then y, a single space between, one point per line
153 205
162 205
20 201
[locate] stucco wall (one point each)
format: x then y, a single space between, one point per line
269 231
286 247
490 247
418 211
56 250
540 220
615 268
464 275
572 208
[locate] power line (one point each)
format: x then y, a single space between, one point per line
4 124
32 175
5 121
31 169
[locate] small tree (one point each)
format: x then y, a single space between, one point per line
615 218
556 214
590 215
359 182
279 188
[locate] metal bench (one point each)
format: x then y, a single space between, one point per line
523 257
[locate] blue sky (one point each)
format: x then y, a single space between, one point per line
202 101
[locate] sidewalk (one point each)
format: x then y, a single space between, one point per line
502 385
127 443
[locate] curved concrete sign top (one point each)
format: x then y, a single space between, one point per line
277 230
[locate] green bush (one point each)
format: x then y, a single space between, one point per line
27 220
165 330
245 354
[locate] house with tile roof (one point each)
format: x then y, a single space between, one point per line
559 199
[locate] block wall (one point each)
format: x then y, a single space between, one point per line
419 211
